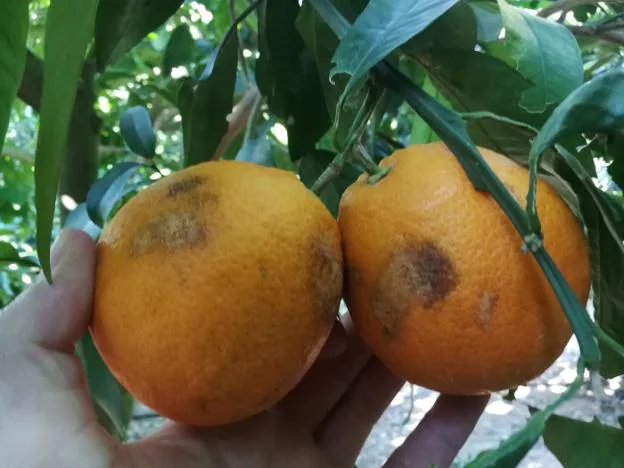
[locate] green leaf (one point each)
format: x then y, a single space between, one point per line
513 449
543 51
597 106
421 131
108 190
69 28
383 26
9 254
603 215
112 402
466 78
121 24
179 50
312 166
13 30
580 444
213 99
288 76
136 129
489 20
454 29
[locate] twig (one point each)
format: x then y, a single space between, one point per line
567 5
613 36
330 173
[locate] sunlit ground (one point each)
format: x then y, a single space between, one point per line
501 418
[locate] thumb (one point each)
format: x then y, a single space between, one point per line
56 316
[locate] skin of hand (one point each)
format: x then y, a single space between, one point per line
47 420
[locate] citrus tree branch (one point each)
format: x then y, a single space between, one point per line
566 5
613 36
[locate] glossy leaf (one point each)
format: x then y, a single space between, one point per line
421 131
13 30
108 191
597 106
9 254
212 102
513 449
112 403
455 29
179 50
383 26
580 444
603 215
69 28
489 20
122 24
545 52
287 75
136 129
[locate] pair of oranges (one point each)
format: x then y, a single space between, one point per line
217 286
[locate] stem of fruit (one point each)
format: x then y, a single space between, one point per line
608 340
359 156
330 173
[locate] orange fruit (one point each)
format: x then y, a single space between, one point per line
216 288
437 283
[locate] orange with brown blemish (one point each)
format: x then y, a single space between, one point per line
216 288
436 280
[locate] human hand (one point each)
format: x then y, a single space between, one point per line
47 419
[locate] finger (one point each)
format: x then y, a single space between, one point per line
326 382
441 434
56 316
345 430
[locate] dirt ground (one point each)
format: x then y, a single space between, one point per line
501 418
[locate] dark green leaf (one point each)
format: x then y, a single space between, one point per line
545 52
212 102
9 254
597 106
421 131
288 76
383 26
136 129
121 24
513 449
13 30
107 191
179 50
69 28
580 444
455 29
466 78
603 215
313 165
112 403
489 21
